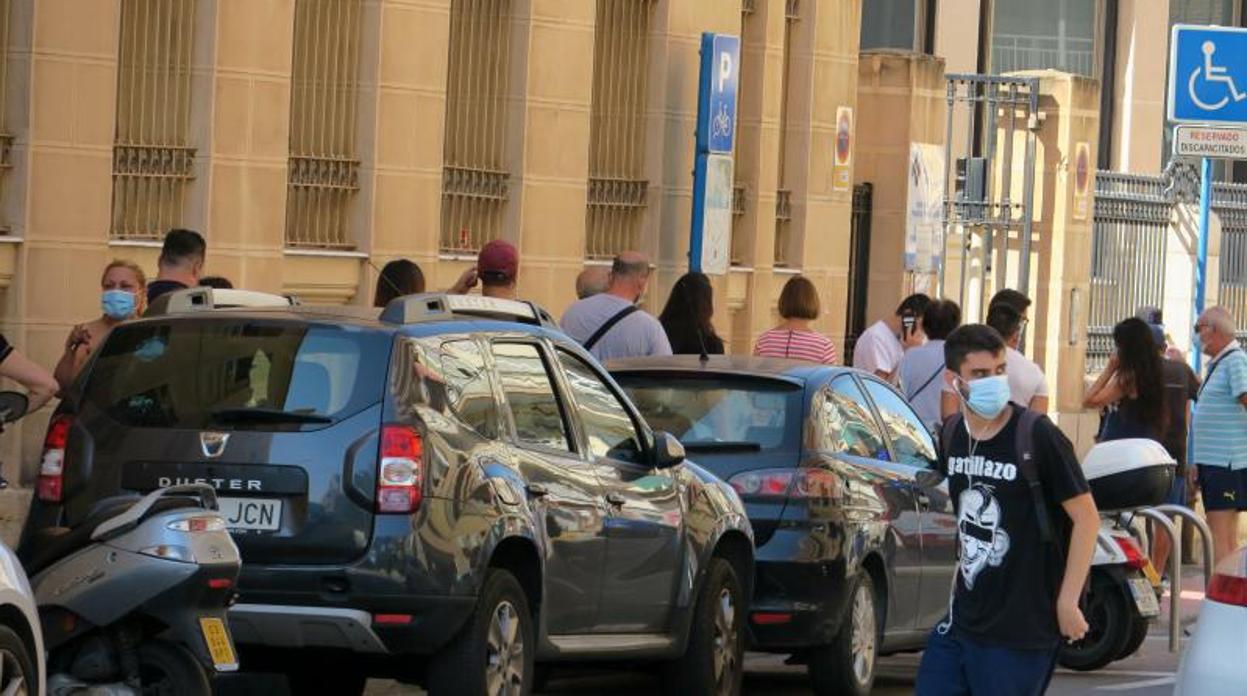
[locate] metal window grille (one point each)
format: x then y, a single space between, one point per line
152 158
783 200
6 138
474 175
323 173
617 183
739 255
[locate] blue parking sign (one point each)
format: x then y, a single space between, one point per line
1208 74
716 100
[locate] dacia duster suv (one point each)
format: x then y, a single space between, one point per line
444 494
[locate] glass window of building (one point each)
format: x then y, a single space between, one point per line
890 24
1056 34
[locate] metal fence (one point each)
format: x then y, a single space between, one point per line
1230 203
1127 253
475 176
617 181
152 157
323 175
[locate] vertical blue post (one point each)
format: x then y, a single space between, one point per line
1201 254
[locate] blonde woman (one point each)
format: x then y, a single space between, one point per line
123 289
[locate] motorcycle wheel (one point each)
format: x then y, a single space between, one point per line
1138 634
1109 620
166 669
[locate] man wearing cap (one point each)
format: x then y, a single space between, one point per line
498 267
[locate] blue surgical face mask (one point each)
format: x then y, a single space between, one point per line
118 304
988 395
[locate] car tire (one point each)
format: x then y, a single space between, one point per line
846 666
1109 620
18 675
713 660
167 668
493 654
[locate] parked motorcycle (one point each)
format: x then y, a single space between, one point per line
1120 602
1121 597
133 599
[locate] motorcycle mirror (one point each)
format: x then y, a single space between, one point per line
13 405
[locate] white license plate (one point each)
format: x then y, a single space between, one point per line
1144 597
251 514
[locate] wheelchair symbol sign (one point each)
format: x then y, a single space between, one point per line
1208 75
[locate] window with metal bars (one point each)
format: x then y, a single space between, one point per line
740 190
617 182
784 254
152 156
323 173
6 138
474 173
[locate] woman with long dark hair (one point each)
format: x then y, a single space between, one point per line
687 317
1132 386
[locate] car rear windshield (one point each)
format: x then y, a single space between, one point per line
237 374
718 412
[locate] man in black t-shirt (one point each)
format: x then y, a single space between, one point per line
1015 593
1181 388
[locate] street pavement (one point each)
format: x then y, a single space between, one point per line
1150 672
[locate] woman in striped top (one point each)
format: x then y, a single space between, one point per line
793 338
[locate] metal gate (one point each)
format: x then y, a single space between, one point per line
859 267
1229 201
1132 213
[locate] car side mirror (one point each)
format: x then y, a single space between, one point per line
929 478
668 451
13 405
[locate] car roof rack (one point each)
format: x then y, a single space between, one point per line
434 306
204 298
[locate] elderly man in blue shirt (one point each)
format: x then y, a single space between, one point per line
1219 428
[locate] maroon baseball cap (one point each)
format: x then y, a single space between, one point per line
498 257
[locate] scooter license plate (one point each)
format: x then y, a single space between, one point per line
1144 597
220 647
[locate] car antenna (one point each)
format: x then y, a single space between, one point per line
704 356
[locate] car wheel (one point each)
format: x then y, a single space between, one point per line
847 664
1138 634
493 655
713 661
1109 624
17 669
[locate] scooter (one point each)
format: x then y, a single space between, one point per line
133 600
1120 602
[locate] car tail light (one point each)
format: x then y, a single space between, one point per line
779 483
1134 557
400 476
1229 583
52 465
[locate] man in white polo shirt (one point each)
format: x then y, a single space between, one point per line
1219 428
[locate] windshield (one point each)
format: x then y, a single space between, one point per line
237 373
719 410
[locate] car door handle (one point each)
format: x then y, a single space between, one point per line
536 490
615 499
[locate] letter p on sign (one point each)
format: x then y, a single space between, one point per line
725 68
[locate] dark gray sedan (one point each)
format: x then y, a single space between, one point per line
854 527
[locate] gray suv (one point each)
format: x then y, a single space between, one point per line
448 494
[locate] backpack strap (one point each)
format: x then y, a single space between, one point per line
609 324
1030 470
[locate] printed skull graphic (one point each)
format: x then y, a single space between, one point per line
983 542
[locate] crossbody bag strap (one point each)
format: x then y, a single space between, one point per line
608 325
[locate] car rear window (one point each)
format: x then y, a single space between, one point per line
184 374
718 410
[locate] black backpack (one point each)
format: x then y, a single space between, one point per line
1026 461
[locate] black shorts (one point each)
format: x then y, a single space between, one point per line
1223 488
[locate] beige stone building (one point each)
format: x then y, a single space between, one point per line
310 141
